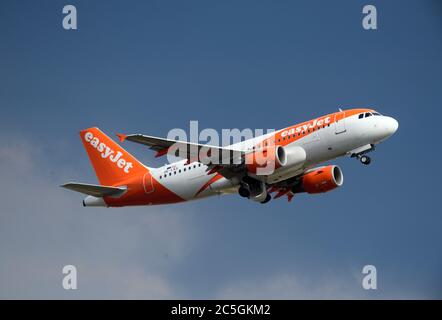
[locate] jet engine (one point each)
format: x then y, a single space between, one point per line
266 161
320 180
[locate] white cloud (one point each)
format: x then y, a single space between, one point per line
119 253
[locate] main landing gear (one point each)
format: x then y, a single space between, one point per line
267 199
254 190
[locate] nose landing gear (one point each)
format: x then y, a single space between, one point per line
360 153
365 160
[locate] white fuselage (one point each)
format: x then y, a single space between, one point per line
350 135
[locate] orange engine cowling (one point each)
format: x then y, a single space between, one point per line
322 179
265 161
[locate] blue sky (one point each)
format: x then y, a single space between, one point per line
150 66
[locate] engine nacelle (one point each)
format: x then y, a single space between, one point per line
265 161
293 157
321 180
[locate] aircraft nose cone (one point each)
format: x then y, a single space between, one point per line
385 127
392 125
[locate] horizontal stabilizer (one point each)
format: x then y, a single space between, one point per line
94 190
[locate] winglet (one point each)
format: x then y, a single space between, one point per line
121 136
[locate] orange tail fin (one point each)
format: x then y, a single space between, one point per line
111 162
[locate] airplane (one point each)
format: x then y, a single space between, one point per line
294 154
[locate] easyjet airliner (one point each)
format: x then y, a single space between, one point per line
294 156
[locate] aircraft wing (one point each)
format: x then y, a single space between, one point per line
94 190
220 159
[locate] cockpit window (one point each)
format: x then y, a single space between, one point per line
369 114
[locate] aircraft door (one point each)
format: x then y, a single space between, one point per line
340 122
148 183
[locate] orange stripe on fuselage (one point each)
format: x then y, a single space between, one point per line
290 134
136 194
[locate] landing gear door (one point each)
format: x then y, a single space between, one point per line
340 122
